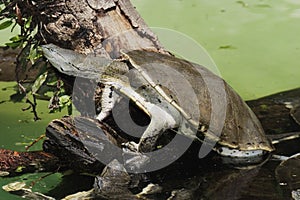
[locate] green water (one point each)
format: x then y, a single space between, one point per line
262 37
18 129
17 125
255 45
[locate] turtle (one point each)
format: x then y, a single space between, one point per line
191 100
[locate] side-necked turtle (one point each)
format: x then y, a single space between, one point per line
166 101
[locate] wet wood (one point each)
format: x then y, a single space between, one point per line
288 173
69 139
278 113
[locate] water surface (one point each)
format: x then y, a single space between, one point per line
255 44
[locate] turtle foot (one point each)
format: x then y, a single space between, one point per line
132 146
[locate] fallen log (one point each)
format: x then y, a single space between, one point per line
13 163
278 113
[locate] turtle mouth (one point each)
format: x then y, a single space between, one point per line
242 158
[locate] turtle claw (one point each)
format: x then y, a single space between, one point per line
132 146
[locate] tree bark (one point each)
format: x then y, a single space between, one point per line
14 163
91 26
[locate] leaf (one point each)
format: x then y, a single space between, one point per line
28 22
39 82
5 24
19 169
64 100
14 44
33 55
16 38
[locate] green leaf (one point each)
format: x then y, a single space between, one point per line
14 44
16 38
28 22
39 82
33 55
5 24
64 100
20 169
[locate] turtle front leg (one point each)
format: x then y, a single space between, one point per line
108 101
162 116
160 121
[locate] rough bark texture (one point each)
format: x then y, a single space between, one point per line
14 163
89 26
68 139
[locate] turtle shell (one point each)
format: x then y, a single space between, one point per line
219 111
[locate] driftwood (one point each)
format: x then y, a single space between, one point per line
14 163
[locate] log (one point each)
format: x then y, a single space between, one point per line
89 26
278 112
13 163
68 138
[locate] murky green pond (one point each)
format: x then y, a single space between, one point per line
255 45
